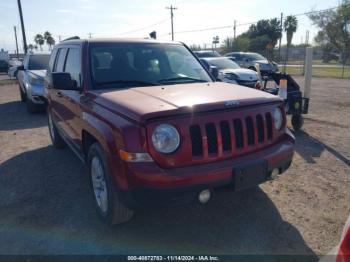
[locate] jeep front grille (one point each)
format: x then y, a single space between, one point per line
229 136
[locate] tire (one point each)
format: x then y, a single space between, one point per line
108 205
22 94
56 138
297 122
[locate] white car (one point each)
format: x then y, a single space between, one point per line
13 70
31 81
230 72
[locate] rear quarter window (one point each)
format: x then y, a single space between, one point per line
52 59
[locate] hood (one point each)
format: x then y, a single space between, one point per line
262 61
242 73
39 73
143 103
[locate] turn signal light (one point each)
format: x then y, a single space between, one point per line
135 157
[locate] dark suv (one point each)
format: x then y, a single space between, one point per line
154 129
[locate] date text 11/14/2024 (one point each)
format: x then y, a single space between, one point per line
173 258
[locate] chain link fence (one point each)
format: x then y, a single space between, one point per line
325 64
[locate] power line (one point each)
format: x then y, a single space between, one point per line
143 28
245 24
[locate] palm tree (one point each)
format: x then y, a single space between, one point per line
39 39
47 34
50 41
31 47
290 27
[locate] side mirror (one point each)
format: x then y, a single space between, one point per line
214 71
63 81
21 67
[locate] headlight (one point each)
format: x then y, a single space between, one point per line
165 138
34 80
231 76
277 118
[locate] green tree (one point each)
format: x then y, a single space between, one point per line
265 29
31 47
227 45
39 40
50 41
241 43
334 28
195 47
290 27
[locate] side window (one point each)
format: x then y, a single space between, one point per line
73 64
52 59
60 60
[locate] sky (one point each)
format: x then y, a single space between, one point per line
137 18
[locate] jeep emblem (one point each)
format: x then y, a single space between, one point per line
232 103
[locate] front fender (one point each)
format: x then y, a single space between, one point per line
110 140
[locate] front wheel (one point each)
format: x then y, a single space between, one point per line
22 94
297 122
107 202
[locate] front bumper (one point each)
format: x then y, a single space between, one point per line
36 94
150 185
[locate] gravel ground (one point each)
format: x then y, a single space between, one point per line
46 205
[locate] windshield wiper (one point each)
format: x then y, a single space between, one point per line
174 79
137 82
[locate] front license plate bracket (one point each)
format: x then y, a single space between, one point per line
249 175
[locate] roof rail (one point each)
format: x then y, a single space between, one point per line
71 38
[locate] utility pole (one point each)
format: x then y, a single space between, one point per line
172 20
307 38
279 45
234 29
16 42
22 25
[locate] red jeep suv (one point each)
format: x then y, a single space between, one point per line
154 128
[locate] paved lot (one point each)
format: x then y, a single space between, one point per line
46 205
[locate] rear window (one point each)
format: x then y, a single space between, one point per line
38 62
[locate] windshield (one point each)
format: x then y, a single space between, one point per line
207 54
124 65
254 56
223 63
38 62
